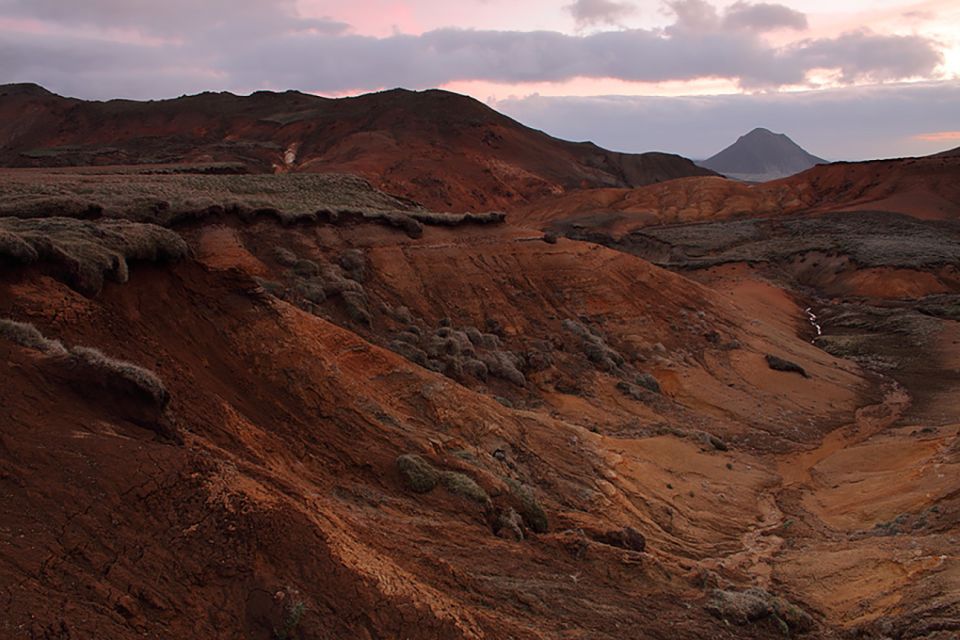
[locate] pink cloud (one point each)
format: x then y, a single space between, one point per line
938 136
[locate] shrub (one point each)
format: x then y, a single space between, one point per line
310 291
594 346
284 256
291 621
306 268
503 364
122 375
648 382
509 525
475 368
354 264
417 474
272 287
754 604
402 314
717 443
453 367
334 284
26 335
779 364
631 391
463 485
356 305
409 351
533 514
409 337
474 335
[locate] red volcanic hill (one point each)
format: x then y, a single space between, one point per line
926 188
445 150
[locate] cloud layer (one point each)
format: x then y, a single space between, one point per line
594 12
853 123
136 48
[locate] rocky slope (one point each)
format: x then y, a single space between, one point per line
372 422
926 188
761 155
445 150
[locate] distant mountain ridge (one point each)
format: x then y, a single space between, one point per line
445 150
762 155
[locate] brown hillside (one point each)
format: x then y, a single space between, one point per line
927 188
371 422
445 150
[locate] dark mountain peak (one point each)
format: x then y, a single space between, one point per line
762 133
762 155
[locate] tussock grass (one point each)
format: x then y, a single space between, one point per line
122 375
26 335
463 485
169 199
134 391
417 474
779 364
530 509
86 253
163 198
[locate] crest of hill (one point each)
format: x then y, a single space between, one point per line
762 155
949 153
447 151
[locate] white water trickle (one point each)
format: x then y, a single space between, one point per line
812 317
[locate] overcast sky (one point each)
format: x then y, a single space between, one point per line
848 80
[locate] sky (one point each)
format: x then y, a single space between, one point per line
847 80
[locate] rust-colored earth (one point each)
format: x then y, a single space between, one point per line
448 151
649 452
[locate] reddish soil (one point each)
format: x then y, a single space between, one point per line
926 188
445 150
285 490
283 513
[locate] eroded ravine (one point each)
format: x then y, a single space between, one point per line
796 468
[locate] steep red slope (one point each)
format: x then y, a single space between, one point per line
445 150
927 188
286 491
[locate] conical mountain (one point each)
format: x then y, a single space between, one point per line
762 155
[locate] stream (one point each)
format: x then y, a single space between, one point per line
812 317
